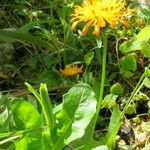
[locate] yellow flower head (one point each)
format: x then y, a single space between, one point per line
98 13
71 70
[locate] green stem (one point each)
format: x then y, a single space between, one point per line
10 139
135 91
9 136
98 55
103 76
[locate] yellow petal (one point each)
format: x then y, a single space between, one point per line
86 27
73 27
99 13
96 31
125 22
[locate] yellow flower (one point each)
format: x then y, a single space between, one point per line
99 13
71 70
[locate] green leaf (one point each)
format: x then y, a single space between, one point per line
50 60
146 127
114 125
16 70
3 100
47 106
146 82
79 107
93 145
109 101
22 37
144 34
125 47
31 141
88 58
147 69
4 121
46 140
128 65
50 77
132 45
140 42
117 89
131 109
145 49
145 13
102 147
30 25
57 108
141 96
45 102
136 120
32 62
24 114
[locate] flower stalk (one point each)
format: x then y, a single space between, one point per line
98 14
103 77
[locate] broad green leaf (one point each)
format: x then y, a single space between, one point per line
22 37
131 45
128 65
140 42
86 141
30 141
46 140
117 89
57 108
114 125
124 47
146 82
91 145
145 49
102 147
144 34
79 107
88 58
109 101
50 77
24 114
11 147
142 46
131 109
